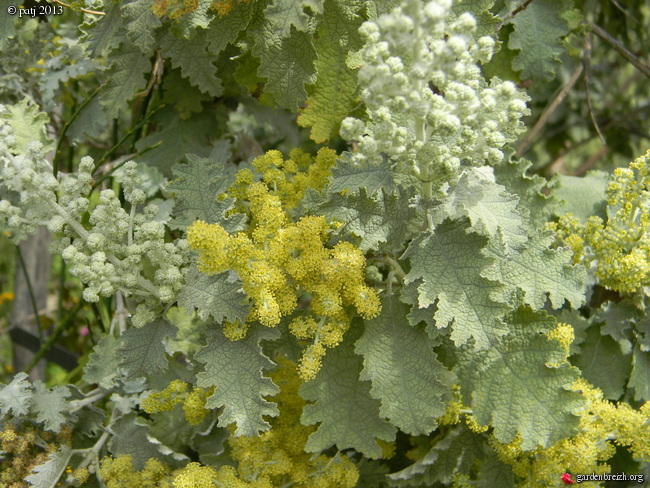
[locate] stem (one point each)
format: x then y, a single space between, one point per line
32 298
84 10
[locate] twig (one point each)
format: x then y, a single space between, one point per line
587 62
620 48
625 12
548 111
517 10
84 10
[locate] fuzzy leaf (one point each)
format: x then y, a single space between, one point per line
220 296
537 270
131 436
538 33
125 78
235 368
141 23
50 404
332 97
582 196
29 124
16 397
196 187
7 23
47 474
514 390
454 454
375 221
286 63
348 175
406 376
195 63
486 21
283 14
348 414
488 207
103 362
224 30
185 26
101 33
142 350
90 122
450 264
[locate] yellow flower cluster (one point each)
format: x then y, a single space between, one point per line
603 425
619 248
175 394
25 447
278 457
118 472
564 334
280 262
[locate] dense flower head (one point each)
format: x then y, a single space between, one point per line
281 262
429 108
603 425
618 249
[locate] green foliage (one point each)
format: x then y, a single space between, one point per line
453 314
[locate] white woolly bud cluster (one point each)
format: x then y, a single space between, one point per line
119 246
429 108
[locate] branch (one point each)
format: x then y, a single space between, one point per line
84 10
620 48
548 111
517 10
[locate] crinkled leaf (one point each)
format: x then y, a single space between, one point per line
351 176
512 175
283 14
603 363
454 454
185 97
7 23
47 474
219 296
538 271
235 368
141 23
511 387
197 186
406 376
348 414
287 63
618 318
225 29
29 124
196 64
450 264
582 196
332 97
488 207
125 78
16 397
538 33
384 219
131 436
102 365
142 350
410 296
101 33
186 25
69 65
50 404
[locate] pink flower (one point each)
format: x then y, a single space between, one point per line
566 477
